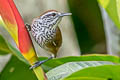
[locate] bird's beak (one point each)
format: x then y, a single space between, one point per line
65 14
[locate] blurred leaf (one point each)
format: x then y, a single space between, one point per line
14 24
113 9
8 18
109 72
88 25
17 70
3 47
94 57
67 69
17 53
6 47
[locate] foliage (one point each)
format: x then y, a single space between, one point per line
14 24
15 69
6 48
105 72
95 57
72 67
113 9
88 25
3 47
85 67
54 63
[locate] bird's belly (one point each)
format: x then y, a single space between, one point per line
43 38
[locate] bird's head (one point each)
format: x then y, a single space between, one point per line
52 17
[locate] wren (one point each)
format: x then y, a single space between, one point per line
46 33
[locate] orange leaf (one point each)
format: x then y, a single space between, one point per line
15 26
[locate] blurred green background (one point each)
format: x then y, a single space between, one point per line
85 33
88 23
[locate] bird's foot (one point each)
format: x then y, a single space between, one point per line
28 26
36 64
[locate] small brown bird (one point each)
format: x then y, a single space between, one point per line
46 32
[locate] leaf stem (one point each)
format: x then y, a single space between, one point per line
40 73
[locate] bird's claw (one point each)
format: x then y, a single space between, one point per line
36 64
28 26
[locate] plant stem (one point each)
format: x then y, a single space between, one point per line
40 73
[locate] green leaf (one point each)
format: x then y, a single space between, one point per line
4 49
113 9
93 57
85 78
109 72
59 61
67 69
17 53
87 19
17 70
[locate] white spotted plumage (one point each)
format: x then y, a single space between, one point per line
44 28
46 32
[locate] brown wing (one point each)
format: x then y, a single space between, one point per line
55 44
58 38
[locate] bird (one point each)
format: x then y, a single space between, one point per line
46 32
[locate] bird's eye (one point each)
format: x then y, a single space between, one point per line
53 14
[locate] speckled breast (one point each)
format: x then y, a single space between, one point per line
42 33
